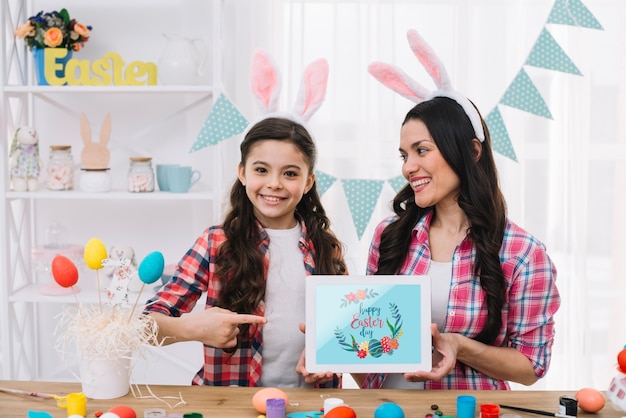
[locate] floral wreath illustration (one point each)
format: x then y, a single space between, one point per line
373 347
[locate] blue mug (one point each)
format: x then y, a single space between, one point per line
181 178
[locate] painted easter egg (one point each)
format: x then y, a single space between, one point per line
64 271
260 398
123 411
389 410
95 253
151 267
375 348
590 400
621 360
341 411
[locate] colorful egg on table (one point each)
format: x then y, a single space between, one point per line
95 252
389 410
341 411
590 400
259 400
123 411
151 267
64 271
621 360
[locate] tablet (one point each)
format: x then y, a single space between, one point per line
368 324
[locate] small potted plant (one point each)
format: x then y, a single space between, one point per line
53 29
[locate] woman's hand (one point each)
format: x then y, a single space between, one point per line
445 350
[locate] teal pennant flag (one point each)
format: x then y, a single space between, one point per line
224 121
573 13
547 53
500 141
362 196
522 94
397 183
323 182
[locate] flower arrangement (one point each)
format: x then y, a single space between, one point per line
54 30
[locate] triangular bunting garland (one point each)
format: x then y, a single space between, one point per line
549 55
323 182
500 141
522 94
397 183
224 121
573 13
362 196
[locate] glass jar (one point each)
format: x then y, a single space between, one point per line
140 175
60 168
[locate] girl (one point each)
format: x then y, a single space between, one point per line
275 234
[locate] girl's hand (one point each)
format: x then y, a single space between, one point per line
311 378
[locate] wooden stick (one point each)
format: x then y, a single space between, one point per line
99 295
137 301
38 395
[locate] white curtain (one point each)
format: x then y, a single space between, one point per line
566 185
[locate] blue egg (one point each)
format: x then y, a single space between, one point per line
151 267
389 410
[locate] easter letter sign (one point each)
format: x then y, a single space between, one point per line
101 72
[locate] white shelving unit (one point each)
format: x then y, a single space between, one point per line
158 121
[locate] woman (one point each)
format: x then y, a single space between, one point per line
493 284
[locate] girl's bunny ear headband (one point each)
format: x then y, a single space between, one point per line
398 81
266 85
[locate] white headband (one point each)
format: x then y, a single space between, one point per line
398 81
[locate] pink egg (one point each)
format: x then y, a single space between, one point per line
260 398
590 400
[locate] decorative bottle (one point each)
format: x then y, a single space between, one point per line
140 175
60 168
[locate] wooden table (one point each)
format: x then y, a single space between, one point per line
225 402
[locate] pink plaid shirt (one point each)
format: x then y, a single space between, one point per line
527 316
194 276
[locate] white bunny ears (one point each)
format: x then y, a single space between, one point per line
398 81
266 85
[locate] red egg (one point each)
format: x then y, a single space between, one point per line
590 400
341 411
64 271
123 411
621 360
260 398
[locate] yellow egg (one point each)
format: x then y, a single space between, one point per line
95 252
260 398
590 400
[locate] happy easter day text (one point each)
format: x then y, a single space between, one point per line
366 319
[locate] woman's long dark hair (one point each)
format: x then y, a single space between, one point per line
239 264
480 198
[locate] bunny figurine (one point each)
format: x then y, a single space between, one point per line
95 176
95 155
24 162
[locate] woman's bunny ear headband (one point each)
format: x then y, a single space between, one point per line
266 85
398 81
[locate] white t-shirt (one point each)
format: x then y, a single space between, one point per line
440 277
283 341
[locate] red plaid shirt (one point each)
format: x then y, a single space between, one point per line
532 299
195 275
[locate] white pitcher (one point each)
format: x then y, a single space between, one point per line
182 61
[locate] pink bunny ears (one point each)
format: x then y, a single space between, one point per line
398 81
266 85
